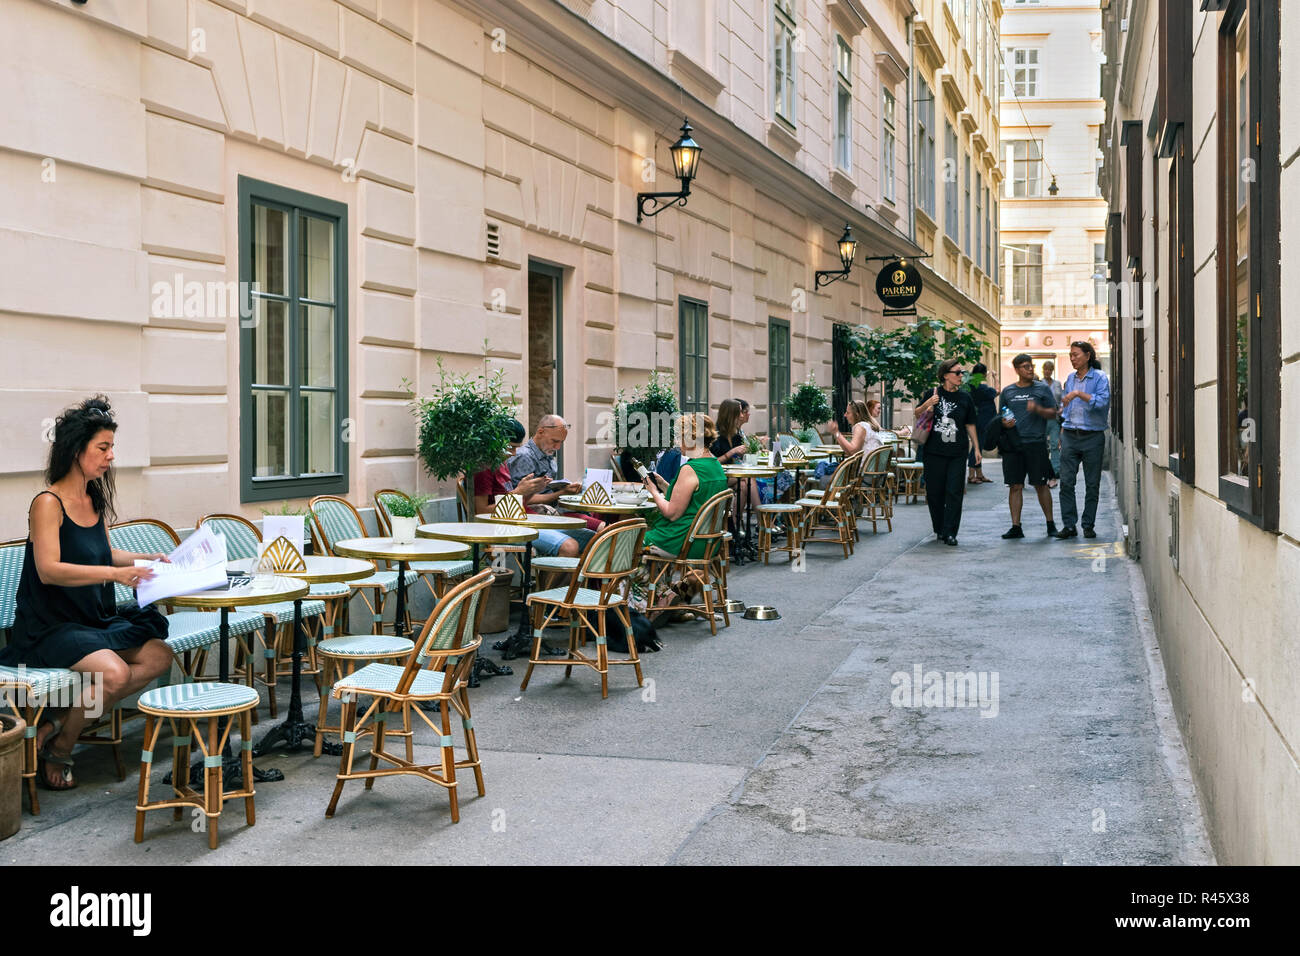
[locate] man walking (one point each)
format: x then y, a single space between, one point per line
1031 404
1084 407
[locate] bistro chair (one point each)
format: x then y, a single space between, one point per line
708 570
908 471
194 712
435 574
767 517
243 541
436 672
336 519
607 562
873 492
833 509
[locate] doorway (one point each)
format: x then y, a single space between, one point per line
545 324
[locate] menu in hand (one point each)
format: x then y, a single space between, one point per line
197 564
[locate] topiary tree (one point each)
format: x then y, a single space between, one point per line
643 423
808 406
464 426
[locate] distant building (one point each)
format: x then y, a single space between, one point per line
1053 213
1201 179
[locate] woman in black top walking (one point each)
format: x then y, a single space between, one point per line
985 399
66 614
951 437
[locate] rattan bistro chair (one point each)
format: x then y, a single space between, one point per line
873 493
436 671
708 570
834 508
598 586
437 575
243 541
335 519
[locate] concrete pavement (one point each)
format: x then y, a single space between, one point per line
794 741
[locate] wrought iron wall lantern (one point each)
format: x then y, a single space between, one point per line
848 248
686 164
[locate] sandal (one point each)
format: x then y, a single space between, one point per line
46 757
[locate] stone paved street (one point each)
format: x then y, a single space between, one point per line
777 742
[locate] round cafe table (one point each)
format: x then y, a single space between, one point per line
572 503
321 569
476 534
518 643
386 549
747 473
281 588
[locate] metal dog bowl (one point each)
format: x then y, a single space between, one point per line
761 612
735 607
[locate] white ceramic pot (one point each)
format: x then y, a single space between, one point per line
404 530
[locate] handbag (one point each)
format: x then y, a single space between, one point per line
922 427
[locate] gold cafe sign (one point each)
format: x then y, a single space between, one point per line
898 286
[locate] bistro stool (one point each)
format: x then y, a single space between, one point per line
340 657
909 479
190 705
767 515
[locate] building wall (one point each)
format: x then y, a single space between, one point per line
1064 117
1222 586
430 120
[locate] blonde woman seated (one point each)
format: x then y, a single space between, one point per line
699 479
864 434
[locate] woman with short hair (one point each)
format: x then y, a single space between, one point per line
67 614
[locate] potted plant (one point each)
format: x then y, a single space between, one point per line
753 449
807 405
405 515
643 423
464 426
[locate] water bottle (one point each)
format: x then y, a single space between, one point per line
1007 414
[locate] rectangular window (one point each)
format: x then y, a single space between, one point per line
843 104
1024 283
1025 163
979 220
887 146
925 147
966 210
293 355
1099 285
693 322
950 212
783 64
778 375
1021 72
988 230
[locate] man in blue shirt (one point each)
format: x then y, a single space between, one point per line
1031 404
1084 408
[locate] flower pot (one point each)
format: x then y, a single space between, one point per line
496 607
404 530
12 734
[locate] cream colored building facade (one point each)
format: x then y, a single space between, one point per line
1052 245
958 171
249 222
1201 140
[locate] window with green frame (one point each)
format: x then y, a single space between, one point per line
293 394
693 360
778 375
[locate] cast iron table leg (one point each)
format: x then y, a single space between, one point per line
399 616
520 642
482 666
295 730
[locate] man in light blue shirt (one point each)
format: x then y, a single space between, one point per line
1085 406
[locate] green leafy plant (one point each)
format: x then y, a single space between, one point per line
643 422
464 426
408 507
752 445
285 510
807 405
903 362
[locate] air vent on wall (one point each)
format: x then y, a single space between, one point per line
493 241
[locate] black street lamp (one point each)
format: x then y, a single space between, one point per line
686 163
848 248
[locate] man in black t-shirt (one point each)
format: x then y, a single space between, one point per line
1031 404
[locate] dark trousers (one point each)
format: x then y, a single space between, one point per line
945 485
1080 448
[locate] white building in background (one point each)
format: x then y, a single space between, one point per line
1053 212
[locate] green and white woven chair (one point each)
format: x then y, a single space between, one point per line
194 712
190 634
436 671
243 541
335 519
437 575
607 563
834 509
873 494
708 537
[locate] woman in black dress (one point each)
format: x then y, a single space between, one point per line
66 614
952 436
985 399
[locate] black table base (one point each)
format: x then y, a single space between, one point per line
295 730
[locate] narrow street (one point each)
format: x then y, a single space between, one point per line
777 742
